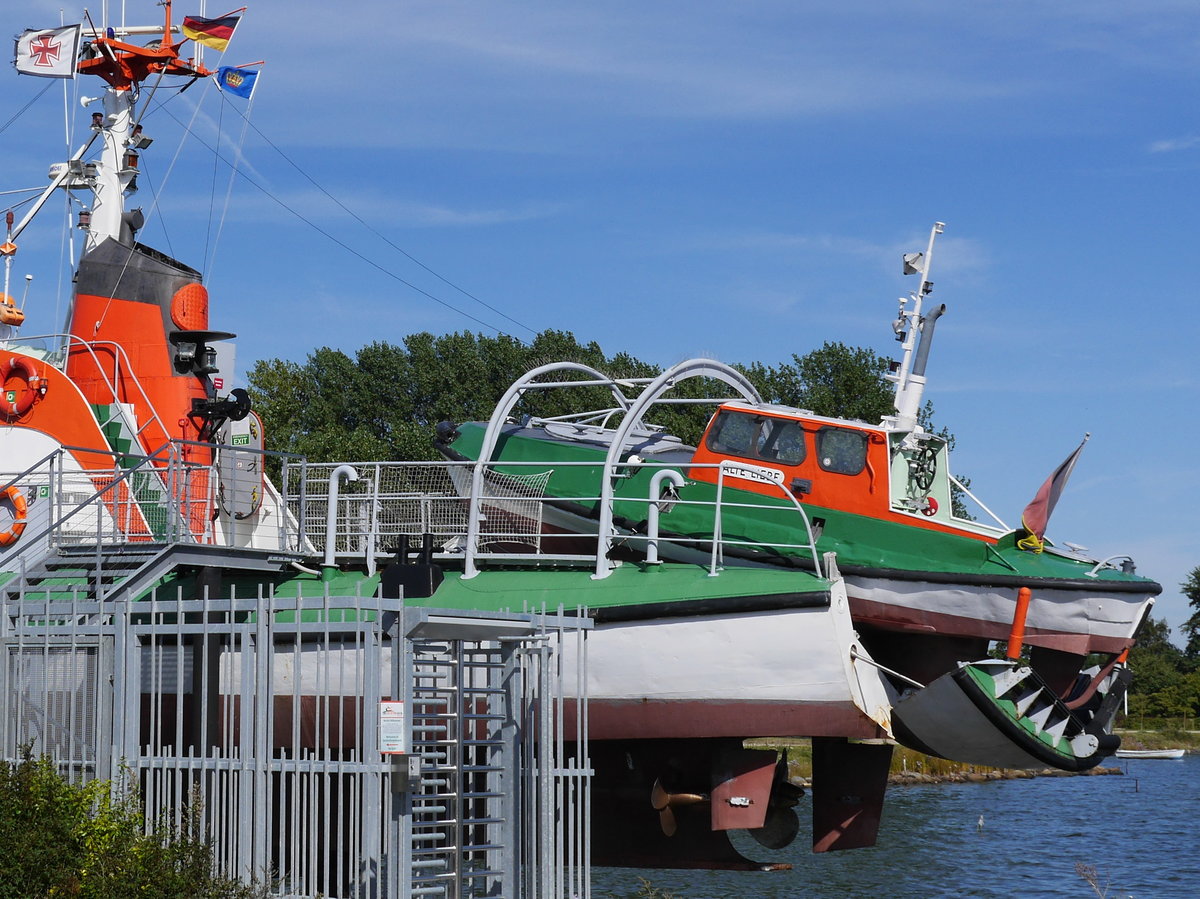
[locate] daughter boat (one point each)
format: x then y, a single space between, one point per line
929 590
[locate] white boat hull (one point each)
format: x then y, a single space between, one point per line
786 672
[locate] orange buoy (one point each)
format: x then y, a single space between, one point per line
18 397
20 507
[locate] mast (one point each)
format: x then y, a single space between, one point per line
124 66
909 373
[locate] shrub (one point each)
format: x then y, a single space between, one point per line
59 839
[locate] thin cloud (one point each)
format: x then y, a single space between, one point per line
316 206
1175 144
954 255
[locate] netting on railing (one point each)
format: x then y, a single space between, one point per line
390 500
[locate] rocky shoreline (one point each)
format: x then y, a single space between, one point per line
958 777
913 778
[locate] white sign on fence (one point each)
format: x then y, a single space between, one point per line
391 727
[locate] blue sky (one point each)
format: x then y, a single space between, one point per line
735 180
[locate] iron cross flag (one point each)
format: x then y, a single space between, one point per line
50 52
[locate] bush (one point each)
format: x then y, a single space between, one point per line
89 840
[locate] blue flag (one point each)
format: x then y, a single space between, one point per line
237 81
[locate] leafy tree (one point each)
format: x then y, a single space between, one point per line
836 380
1191 627
385 402
1162 685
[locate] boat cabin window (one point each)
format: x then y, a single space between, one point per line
756 437
841 450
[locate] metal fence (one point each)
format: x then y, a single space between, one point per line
262 717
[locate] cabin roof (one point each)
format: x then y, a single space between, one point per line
793 412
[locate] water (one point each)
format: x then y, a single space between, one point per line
1140 830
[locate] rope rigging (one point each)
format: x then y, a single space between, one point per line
148 108
381 236
333 239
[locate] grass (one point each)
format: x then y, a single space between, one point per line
904 760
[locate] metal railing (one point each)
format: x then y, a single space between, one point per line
122 371
138 502
519 518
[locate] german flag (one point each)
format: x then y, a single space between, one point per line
213 33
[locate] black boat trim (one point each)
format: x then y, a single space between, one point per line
720 605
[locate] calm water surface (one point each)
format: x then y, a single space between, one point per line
1141 831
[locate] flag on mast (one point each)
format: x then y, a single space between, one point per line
48 52
214 33
237 80
1037 514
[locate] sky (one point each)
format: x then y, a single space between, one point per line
732 180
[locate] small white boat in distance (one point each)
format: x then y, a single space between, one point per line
1150 753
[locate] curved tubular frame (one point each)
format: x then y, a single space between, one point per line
692 368
491 436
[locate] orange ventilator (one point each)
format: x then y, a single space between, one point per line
20 507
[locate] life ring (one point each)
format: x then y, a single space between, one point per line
17 402
20 507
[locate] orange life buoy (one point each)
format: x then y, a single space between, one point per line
17 401
20 508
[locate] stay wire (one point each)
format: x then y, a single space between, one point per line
212 195
233 173
353 252
153 209
378 234
20 112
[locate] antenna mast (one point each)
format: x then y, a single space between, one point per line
909 374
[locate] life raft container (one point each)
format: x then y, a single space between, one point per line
19 400
9 313
20 508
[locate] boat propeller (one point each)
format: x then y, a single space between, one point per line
664 803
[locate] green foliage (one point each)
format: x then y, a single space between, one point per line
1164 684
647 890
1191 627
88 840
836 380
384 403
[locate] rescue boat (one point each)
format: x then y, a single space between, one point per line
929 589
127 468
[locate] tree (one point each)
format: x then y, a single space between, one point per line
1191 627
386 401
836 380
1162 686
